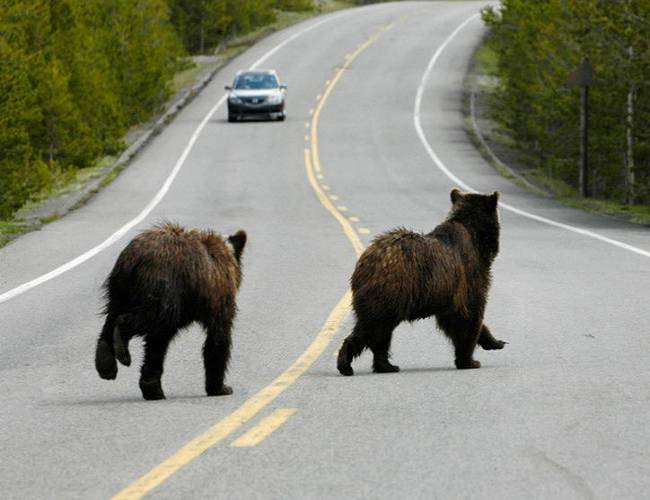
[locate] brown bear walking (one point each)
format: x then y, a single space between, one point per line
405 276
165 279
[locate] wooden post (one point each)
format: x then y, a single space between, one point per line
629 133
584 141
583 78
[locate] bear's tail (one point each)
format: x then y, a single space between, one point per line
121 347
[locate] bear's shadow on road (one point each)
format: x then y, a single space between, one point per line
368 372
121 400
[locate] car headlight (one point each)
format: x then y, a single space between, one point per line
234 99
275 99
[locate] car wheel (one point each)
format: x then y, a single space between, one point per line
282 116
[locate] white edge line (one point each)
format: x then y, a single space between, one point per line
460 183
14 292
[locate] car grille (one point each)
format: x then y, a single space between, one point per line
253 100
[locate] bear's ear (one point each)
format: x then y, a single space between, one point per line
456 195
238 241
495 197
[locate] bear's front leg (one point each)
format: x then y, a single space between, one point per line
487 341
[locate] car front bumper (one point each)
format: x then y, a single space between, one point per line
254 109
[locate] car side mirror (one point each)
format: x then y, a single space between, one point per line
283 87
228 87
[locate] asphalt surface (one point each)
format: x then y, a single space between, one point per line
562 412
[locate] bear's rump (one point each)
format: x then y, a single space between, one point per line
407 285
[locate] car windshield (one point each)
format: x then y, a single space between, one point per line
256 81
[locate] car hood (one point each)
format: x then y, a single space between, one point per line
254 92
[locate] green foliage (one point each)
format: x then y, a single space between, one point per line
73 77
368 2
204 24
539 44
295 5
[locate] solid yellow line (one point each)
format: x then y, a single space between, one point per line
264 429
254 405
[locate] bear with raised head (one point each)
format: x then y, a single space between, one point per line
165 279
406 276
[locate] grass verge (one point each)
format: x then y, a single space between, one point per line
567 195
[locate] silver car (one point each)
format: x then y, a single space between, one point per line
256 93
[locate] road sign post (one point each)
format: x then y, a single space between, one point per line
583 77
584 141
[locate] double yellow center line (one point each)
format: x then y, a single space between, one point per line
312 158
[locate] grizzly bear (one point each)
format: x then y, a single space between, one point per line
165 279
406 276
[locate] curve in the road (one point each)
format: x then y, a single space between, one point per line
117 235
443 168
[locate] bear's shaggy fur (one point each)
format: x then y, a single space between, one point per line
165 279
405 276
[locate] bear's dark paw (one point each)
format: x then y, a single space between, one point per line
107 369
151 390
385 367
343 361
466 364
345 370
105 362
224 390
493 344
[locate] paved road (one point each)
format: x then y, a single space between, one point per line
562 412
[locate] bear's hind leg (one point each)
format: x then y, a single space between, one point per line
380 346
216 355
152 369
463 334
105 354
352 346
487 341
